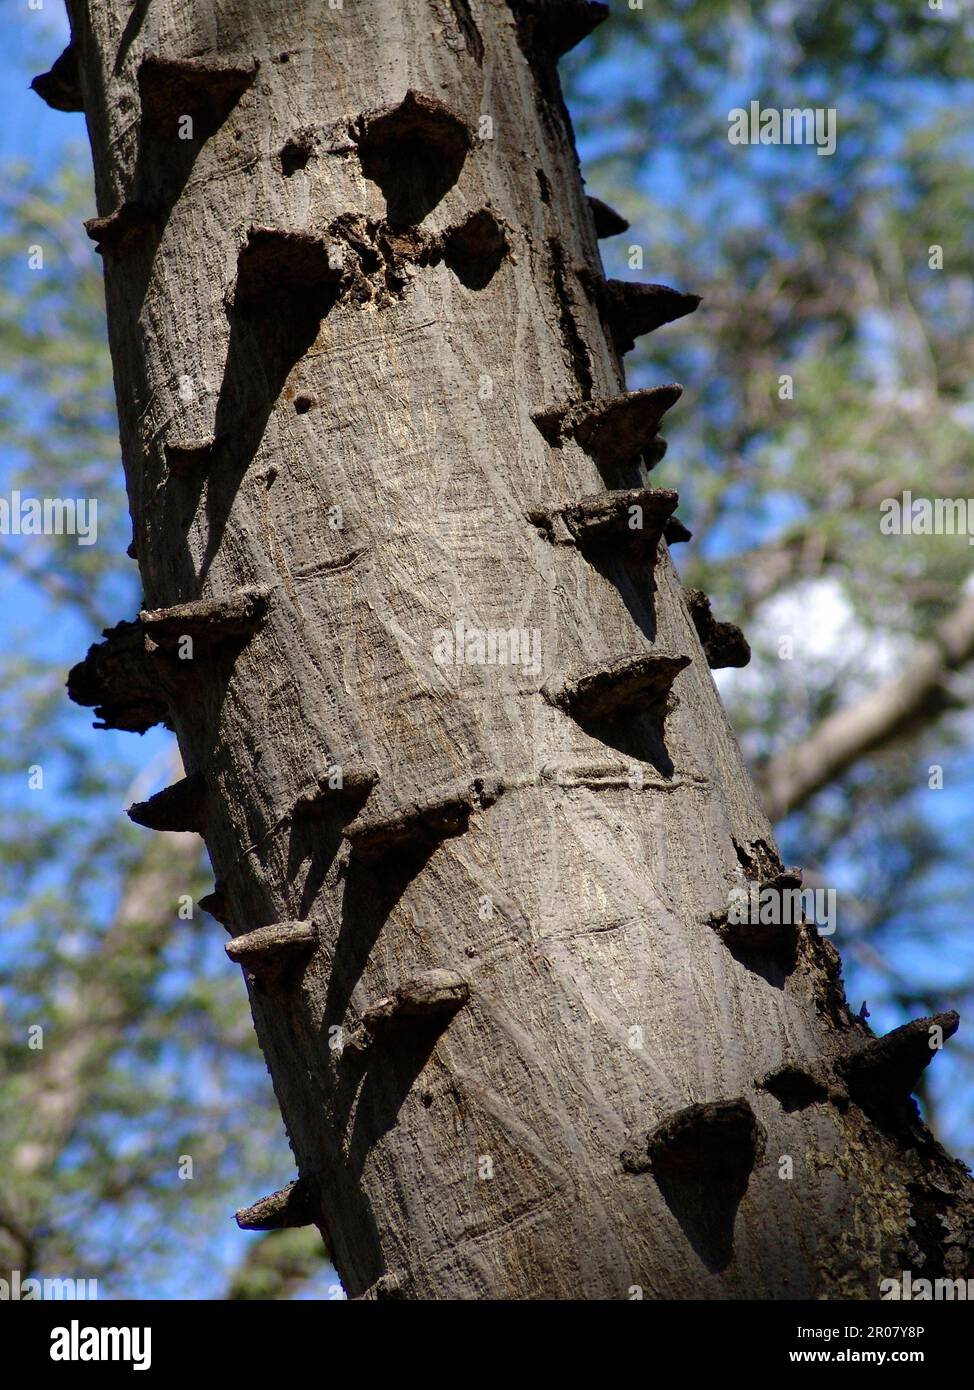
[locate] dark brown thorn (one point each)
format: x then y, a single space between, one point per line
173 87
475 248
884 1073
191 458
675 533
273 264
294 1205
614 430
216 904
607 221
230 618
180 807
637 683
708 1140
436 816
554 27
61 87
122 229
117 678
633 518
338 785
418 119
435 994
724 644
631 308
794 1086
272 952
759 918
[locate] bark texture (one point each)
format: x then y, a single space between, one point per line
369 383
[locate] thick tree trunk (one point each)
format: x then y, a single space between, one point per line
362 348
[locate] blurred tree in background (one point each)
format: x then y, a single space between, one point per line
813 269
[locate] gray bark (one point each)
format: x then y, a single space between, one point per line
339 295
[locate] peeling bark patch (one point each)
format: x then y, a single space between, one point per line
724 644
475 248
180 807
575 345
170 88
414 151
883 1074
294 1205
61 87
117 678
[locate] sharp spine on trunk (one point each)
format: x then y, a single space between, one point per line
271 952
675 533
230 618
607 221
117 678
191 457
61 87
606 518
294 1205
438 815
614 430
123 228
724 644
884 1073
794 1086
747 933
554 27
433 994
173 87
706 1140
631 308
216 904
179 807
417 118
634 683
274 262
337 785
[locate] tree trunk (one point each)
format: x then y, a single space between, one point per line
369 382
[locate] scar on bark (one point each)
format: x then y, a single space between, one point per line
633 519
179 807
422 824
297 1204
702 1158
615 430
432 997
883 1073
273 953
724 644
414 150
